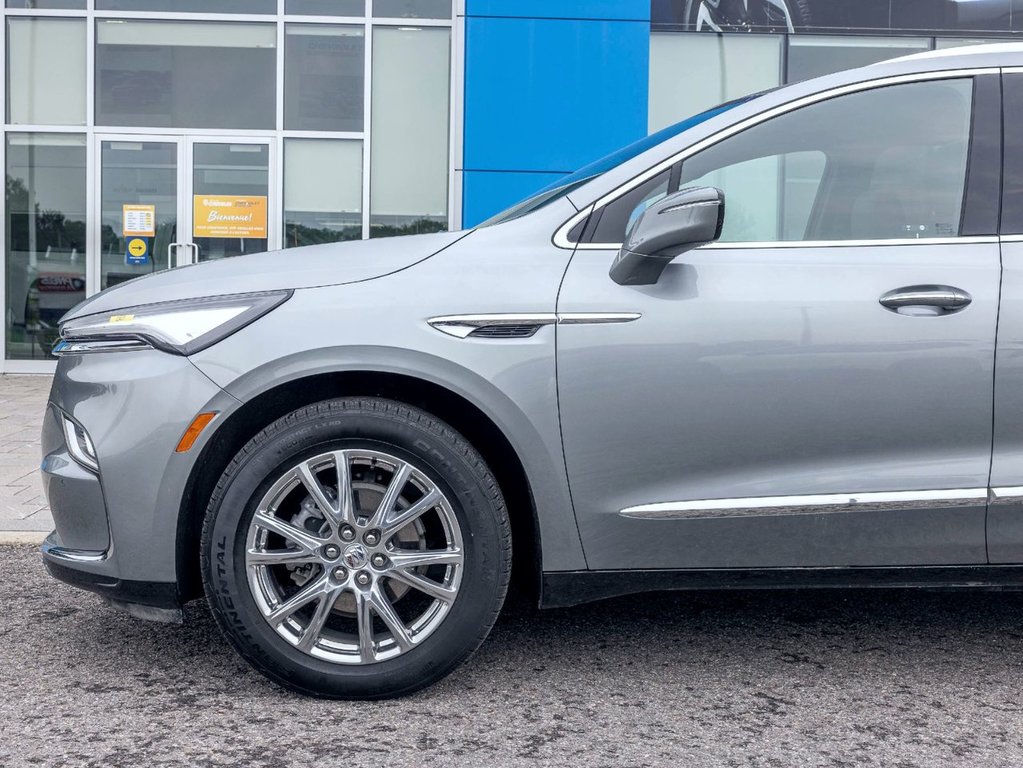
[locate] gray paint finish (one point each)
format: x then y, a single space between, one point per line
776 372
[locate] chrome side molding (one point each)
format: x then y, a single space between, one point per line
511 325
1007 494
816 504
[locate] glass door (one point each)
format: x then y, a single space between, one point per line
231 211
139 206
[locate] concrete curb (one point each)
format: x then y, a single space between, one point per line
22 537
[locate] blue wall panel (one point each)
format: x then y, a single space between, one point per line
484 193
545 96
635 10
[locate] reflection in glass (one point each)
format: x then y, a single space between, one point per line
190 6
45 225
422 9
815 55
137 173
815 174
324 75
71 4
46 71
322 191
185 74
326 7
229 178
714 69
409 163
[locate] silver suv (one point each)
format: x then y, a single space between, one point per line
778 344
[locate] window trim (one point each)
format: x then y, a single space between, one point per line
560 238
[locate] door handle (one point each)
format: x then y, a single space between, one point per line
926 300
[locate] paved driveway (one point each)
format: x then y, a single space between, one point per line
22 504
737 679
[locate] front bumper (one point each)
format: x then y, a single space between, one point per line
155 600
117 528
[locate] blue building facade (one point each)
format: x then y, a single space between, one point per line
549 86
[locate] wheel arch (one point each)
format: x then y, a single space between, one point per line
479 428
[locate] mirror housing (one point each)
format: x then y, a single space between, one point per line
673 225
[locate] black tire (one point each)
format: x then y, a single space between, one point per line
433 448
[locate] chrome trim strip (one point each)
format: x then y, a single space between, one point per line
74 555
560 238
74 449
1007 494
460 326
816 504
1012 238
596 318
86 347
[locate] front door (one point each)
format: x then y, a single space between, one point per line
169 201
816 388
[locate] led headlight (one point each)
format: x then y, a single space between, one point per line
180 327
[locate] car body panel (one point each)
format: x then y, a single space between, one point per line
329 264
776 372
366 306
373 326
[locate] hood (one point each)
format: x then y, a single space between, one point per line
308 267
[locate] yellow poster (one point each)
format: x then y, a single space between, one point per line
138 220
229 216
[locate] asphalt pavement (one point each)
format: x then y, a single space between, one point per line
826 678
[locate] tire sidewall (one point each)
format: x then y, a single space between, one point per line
416 440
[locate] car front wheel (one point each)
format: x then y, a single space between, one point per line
356 548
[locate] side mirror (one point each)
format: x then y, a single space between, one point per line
673 225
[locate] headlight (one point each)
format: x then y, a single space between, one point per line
182 327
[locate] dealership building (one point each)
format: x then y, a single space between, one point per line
146 134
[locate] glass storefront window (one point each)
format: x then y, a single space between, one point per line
409 167
957 42
322 191
693 72
136 173
324 77
77 5
815 55
45 213
229 172
46 71
190 6
178 74
326 7
421 9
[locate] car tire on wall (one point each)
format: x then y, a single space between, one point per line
356 548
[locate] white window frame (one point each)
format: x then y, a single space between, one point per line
276 137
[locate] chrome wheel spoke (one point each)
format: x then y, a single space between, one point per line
304 539
319 495
345 495
383 608
412 558
398 481
280 557
365 621
424 585
311 591
315 626
394 523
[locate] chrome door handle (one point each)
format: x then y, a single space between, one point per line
926 300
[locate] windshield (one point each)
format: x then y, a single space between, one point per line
566 184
